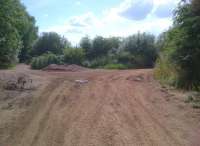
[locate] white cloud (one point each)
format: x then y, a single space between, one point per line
113 23
85 20
77 26
136 9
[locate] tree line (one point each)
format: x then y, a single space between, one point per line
175 54
136 51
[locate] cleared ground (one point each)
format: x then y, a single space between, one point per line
114 108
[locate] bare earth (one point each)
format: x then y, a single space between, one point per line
111 108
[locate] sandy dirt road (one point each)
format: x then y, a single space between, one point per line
114 108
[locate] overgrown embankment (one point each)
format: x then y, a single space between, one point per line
179 61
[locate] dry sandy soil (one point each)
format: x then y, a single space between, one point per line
110 108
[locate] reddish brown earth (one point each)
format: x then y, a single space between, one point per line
112 108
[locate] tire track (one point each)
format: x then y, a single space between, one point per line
114 108
38 123
25 119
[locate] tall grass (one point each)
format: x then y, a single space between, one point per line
165 71
115 66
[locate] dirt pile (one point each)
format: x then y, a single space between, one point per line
70 68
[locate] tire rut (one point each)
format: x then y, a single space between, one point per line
114 108
38 123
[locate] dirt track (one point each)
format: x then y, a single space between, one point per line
115 108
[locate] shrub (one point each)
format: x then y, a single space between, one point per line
100 62
74 56
45 60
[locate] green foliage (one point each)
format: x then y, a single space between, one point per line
136 51
99 62
115 66
14 25
126 58
113 42
142 48
10 45
50 42
86 44
45 60
187 53
74 56
182 47
29 36
99 47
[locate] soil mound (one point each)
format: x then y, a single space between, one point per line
70 68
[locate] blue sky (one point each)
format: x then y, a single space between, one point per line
77 18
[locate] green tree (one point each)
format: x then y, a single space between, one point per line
181 49
100 47
187 52
29 36
50 42
86 44
17 29
10 41
142 47
10 44
112 45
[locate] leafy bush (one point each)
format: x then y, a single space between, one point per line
45 60
115 66
100 62
182 47
74 56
